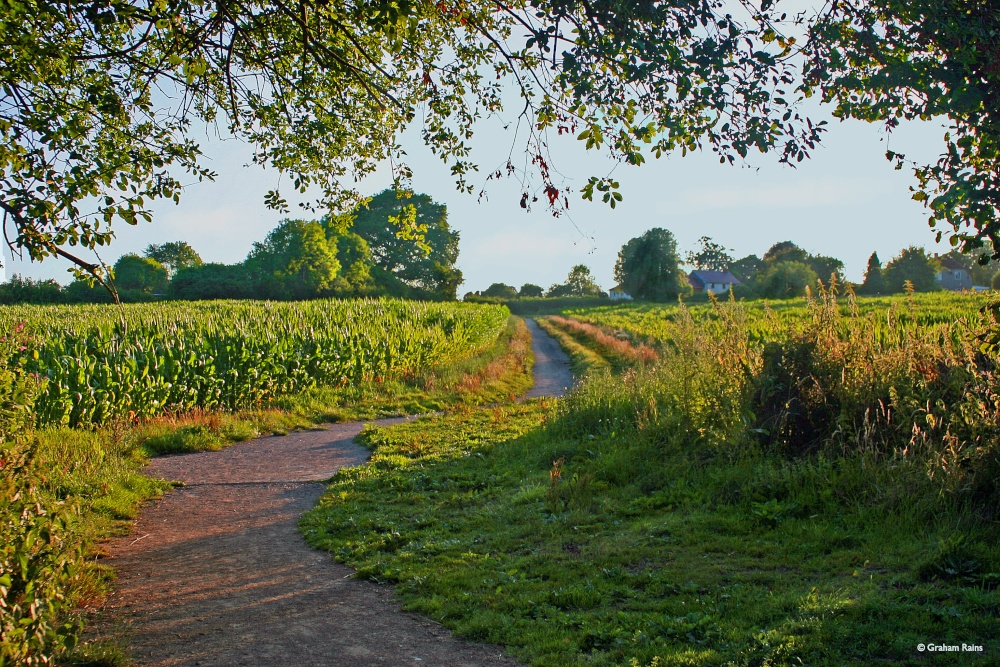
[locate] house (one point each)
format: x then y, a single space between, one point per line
616 293
716 282
953 276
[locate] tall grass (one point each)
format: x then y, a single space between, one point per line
834 380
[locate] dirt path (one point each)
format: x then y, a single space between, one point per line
216 572
552 374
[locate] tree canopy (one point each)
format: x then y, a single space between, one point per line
647 266
786 279
410 241
500 290
530 290
822 265
874 282
99 102
912 264
710 255
174 255
140 274
579 282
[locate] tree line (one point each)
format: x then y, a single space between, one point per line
398 244
650 267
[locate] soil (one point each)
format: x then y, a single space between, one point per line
216 572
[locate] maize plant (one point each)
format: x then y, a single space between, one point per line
230 354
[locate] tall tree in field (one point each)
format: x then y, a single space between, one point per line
500 290
410 241
174 255
710 255
356 264
874 280
827 268
785 251
915 265
647 266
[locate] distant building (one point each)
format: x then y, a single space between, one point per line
616 293
716 282
953 276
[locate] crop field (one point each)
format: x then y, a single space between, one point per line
878 317
229 354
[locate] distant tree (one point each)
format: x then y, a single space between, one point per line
874 280
25 290
984 268
826 267
295 261
915 265
500 290
823 266
784 280
995 282
647 267
746 268
785 251
174 255
711 256
140 275
212 281
579 282
530 290
411 241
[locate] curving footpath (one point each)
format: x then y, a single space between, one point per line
216 573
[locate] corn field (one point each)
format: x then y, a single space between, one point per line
228 354
888 319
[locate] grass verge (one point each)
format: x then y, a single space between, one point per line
644 548
614 347
582 359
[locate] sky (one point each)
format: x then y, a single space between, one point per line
846 201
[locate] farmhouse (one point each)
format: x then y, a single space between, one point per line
953 276
716 282
616 293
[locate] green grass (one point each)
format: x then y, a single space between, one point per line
509 526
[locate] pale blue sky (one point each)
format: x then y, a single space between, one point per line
847 201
